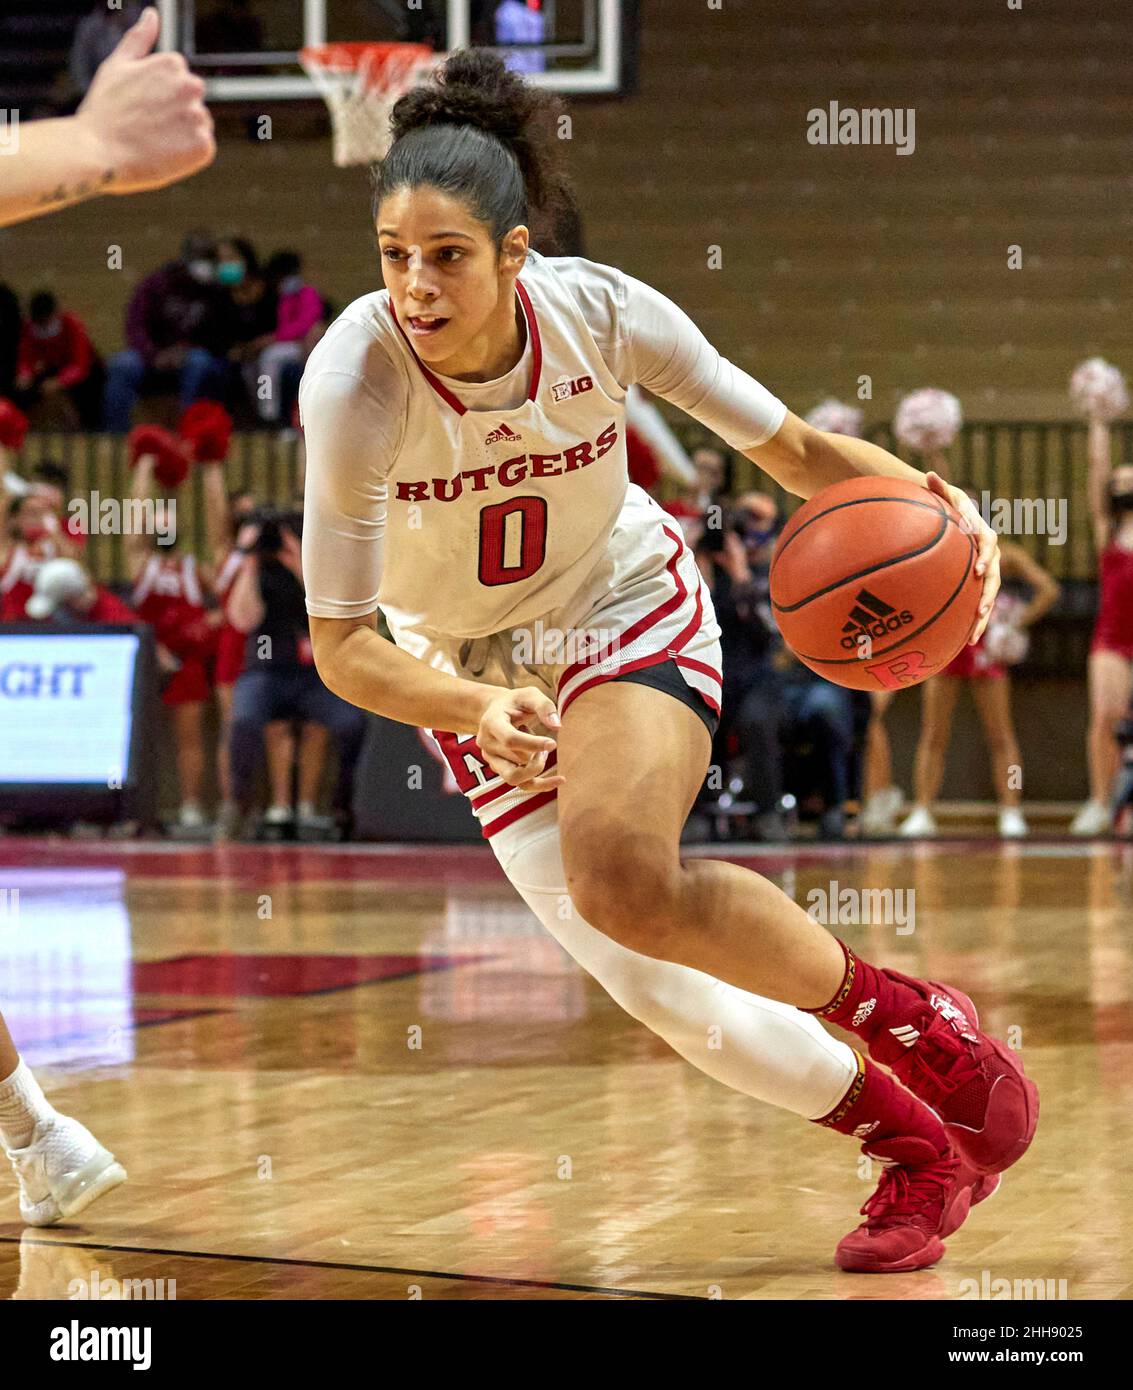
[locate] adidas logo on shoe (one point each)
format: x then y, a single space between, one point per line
864 1131
906 1034
952 1013
862 1012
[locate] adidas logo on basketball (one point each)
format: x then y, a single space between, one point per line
863 1011
502 434
872 616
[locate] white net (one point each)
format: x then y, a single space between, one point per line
360 83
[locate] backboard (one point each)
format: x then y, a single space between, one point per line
248 49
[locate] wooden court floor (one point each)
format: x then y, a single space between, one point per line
369 1073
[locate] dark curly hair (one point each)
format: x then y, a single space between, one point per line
478 131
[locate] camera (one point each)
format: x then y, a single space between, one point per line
273 521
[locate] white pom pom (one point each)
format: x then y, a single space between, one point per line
928 420
1004 641
835 417
1098 389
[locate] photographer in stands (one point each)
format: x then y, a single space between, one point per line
279 680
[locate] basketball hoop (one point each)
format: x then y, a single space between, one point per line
360 82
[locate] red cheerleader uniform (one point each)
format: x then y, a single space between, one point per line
168 596
1113 631
24 560
973 663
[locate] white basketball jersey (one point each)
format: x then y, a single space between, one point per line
497 516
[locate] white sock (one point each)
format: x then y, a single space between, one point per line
307 810
22 1106
767 1050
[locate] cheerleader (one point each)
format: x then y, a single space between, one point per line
1099 389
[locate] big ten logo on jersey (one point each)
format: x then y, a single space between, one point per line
566 387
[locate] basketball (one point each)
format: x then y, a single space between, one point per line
873 583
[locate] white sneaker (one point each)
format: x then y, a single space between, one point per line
278 815
918 823
190 816
1012 826
1092 819
62 1171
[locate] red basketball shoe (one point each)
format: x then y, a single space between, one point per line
922 1197
974 1083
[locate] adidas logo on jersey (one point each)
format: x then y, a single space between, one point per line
862 1012
872 616
502 433
564 389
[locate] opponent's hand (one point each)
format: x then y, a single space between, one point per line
513 754
987 542
145 114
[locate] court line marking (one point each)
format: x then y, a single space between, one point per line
355 1268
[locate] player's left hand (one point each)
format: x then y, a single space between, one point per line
987 542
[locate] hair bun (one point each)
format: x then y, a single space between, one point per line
474 87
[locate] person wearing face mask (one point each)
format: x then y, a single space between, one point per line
57 363
300 321
180 324
1110 671
238 271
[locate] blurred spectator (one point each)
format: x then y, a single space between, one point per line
97 36
772 701
300 323
9 338
230 27
36 532
691 504
279 680
57 365
238 271
65 592
710 464
521 22
737 579
179 325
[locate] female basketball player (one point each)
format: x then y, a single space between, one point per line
142 124
465 438
1111 651
988 679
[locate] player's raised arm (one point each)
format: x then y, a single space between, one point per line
143 124
666 353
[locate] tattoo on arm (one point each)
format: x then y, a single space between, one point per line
86 188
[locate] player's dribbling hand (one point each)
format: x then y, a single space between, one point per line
145 115
987 542
513 754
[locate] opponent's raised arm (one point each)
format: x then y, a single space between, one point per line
143 124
